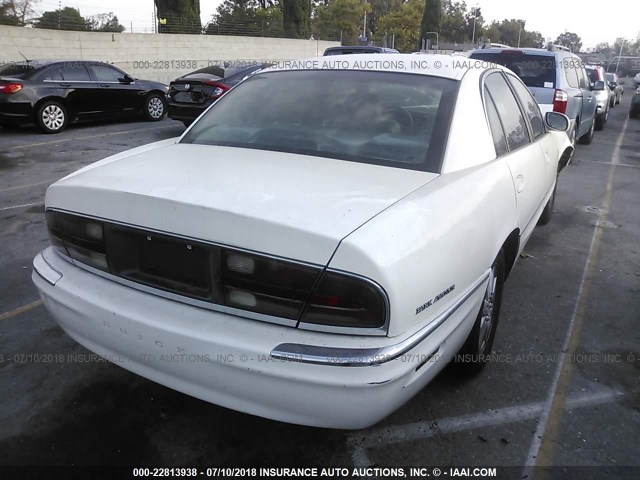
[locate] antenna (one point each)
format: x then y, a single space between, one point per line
26 59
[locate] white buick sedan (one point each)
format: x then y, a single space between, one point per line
318 245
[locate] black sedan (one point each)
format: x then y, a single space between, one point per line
54 93
191 94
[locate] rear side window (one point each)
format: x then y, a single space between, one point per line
509 112
531 109
534 70
583 79
51 74
75 73
499 140
572 76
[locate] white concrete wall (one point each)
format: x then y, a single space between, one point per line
152 57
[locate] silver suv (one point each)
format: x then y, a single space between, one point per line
556 78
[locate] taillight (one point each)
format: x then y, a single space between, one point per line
257 283
80 238
10 88
219 90
346 301
560 101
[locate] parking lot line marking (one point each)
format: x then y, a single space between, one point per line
542 445
21 206
89 137
609 163
20 310
17 187
385 436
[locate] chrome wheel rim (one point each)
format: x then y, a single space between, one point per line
155 107
488 307
53 117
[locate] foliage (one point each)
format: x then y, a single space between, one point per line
341 18
296 18
67 18
571 40
404 24
258 18
16 12
179 16
104 22
431 18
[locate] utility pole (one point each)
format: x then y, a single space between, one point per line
519 32
475 17
619 55
155 18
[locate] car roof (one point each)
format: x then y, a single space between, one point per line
445 66
527 51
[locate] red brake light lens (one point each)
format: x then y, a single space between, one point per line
219 90
560 101
11 88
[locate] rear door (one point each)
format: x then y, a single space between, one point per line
588 111
524 157
81 92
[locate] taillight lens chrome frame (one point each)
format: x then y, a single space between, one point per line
246 283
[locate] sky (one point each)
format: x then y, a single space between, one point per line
549 17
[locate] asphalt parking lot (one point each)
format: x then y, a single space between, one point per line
563 386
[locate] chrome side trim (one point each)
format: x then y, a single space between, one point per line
46 271
362 357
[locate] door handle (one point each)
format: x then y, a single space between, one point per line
520 184
105 85
65 84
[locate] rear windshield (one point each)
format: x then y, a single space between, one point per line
593 75
16 70
383 118
611 77
534 70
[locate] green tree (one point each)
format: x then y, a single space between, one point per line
380 8
16 12
246 17
67 18
179 16
404 24
296 18
431 18
453 25
570 40
341 19
104 22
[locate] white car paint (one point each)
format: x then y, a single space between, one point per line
414 233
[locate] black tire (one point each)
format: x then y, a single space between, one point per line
600 121
547 213
51 117
632 114
155 107
474 354
587 138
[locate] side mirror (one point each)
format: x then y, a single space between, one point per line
557 121
598 86
126 79
613 84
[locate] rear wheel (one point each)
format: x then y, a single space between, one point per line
547 213
155 107
51 117
587 138
474 353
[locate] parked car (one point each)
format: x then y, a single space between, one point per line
603 95
636 80
314 255
614 85
54 93
556 78
193 93
357 49
634 110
